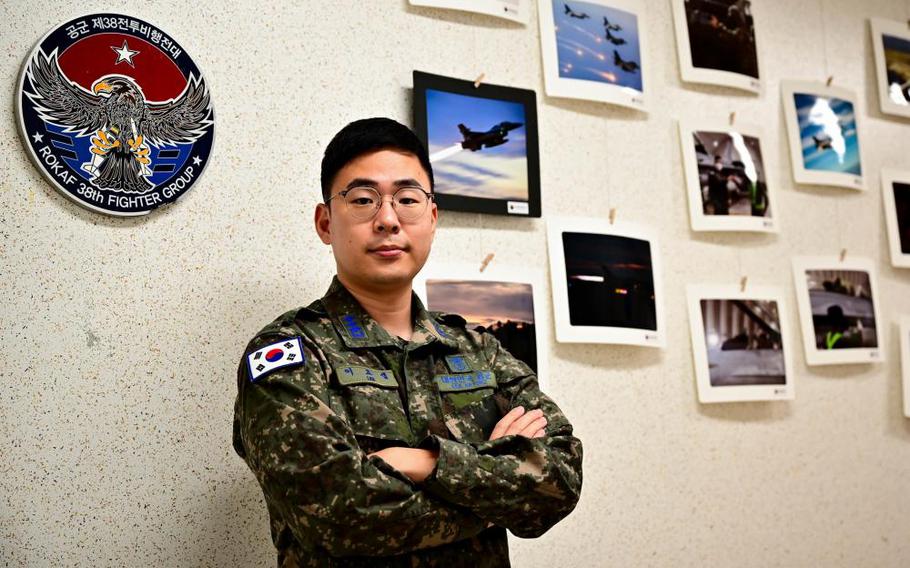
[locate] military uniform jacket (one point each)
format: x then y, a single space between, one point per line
305 428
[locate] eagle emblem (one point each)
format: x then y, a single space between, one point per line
101 134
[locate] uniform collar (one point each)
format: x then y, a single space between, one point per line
357 328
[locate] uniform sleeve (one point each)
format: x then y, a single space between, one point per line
525 485
316 477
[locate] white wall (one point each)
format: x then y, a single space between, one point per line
120 338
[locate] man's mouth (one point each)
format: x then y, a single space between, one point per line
387 251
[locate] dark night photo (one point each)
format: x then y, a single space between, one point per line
722 36
610 281
743 340
842 311
902 208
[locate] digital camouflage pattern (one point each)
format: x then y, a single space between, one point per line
305 432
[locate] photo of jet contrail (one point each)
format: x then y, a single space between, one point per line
446 153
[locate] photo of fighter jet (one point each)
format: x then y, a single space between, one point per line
573 14
583 46
495 136
627 66
612 38
482 142
611 27
822 142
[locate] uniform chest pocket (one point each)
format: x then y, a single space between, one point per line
472 419
372 408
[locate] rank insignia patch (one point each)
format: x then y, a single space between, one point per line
115 114
457 364
280 354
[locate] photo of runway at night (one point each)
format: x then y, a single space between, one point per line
843 314
505 309
722 36
598 43
477 146
610 281
731 174
897 67
827 130
743 342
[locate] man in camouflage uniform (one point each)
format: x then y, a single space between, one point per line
382 434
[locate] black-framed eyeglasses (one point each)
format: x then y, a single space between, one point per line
363 202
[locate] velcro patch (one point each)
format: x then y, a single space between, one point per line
465 381
280 354
354 375
457 364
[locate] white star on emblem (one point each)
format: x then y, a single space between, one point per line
196 160
124 53
38 137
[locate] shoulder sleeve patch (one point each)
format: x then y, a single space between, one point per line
284 353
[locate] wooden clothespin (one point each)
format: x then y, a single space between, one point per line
486 261
830 80
479 80
732 117
612 215
742 283
843 253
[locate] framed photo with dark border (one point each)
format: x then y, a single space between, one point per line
838 310
606 282
482 143
715 40
896 200
740 343
891 50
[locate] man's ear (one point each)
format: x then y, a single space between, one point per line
322 218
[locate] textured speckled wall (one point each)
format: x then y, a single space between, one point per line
120 338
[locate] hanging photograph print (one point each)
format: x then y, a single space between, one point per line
891 49
715 41
514 10
482 142
838 309
115 114
505 301
739 344
823 128
594 50
605 281
896 200
726 177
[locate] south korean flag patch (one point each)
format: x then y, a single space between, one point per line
280 354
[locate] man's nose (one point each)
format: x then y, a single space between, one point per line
387 217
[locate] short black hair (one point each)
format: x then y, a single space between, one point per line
367 135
